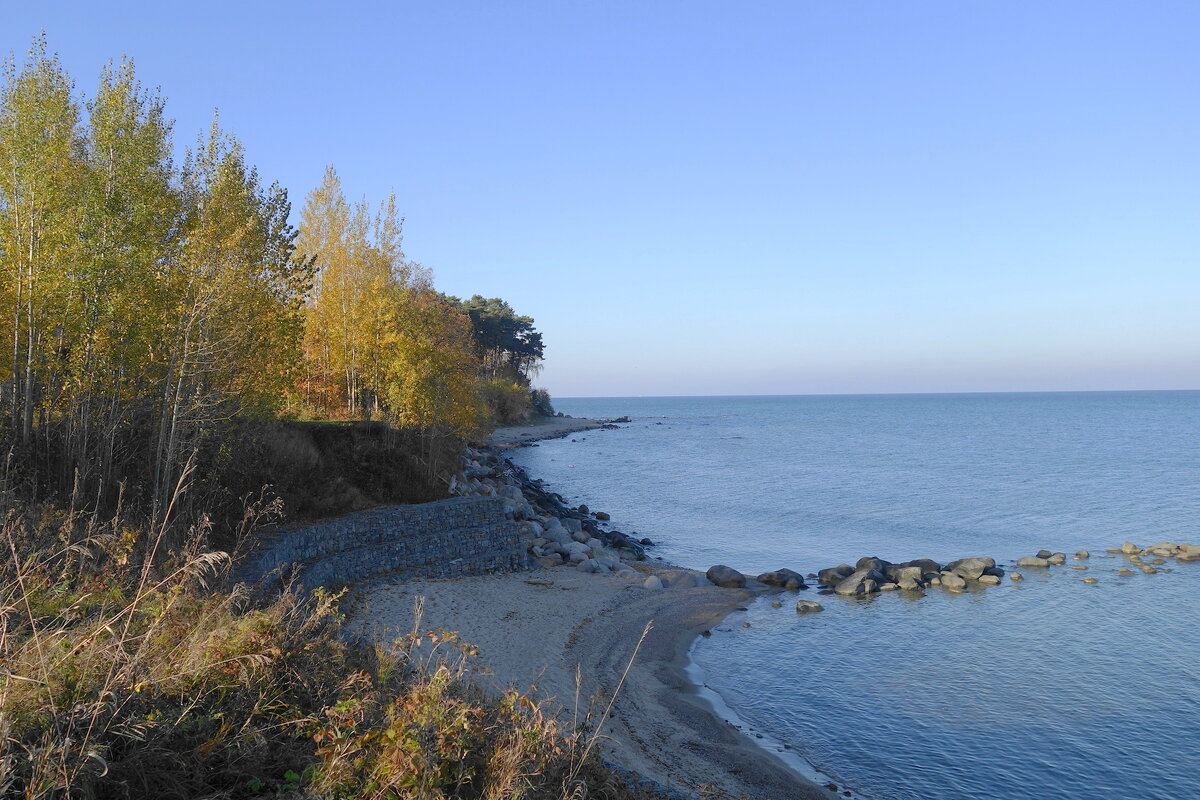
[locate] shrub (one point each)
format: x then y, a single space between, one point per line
122 680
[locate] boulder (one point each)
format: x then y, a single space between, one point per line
832 576
953 581
860 582
1016 577
926 565
783 578
910 584
971 568
989 580
898 572
1078 566
888 587
586 565
580 536
871 562
1129 548
996 571
1044 554
1090 580
1125 572
1057 559
602 516
549 561
1082 555
726 577
582 509
808 607
1146 568
1033 561
652 582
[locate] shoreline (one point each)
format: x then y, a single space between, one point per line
544 627
542 428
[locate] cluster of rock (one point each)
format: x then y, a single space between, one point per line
872 574
1158 552
786 579
555 533
1045 558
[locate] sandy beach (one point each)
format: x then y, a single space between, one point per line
536 629
540 629
542 428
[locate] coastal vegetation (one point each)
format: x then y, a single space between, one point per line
183 364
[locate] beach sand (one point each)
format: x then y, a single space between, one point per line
537 628
542 428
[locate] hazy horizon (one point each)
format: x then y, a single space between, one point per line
866 394
705 198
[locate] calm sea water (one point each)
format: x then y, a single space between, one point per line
1046 689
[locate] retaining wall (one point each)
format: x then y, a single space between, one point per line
444 539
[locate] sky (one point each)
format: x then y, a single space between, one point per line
736 197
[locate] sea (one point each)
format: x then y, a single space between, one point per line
1049 688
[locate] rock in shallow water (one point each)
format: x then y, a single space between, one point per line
784 578
808 606
832 576
953 582
971 568
1033 561
863 581
726 577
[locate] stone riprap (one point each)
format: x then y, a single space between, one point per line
443 539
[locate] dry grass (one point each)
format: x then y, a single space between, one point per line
124 674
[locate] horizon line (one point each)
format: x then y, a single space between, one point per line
867 394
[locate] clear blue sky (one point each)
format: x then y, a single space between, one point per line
737 197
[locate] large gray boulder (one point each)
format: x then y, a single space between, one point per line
1032 561
872 562
832 576
784 578
926 565
1057 559
726 577
953 581
898 573
1130 547
861 582
909 584
971 568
